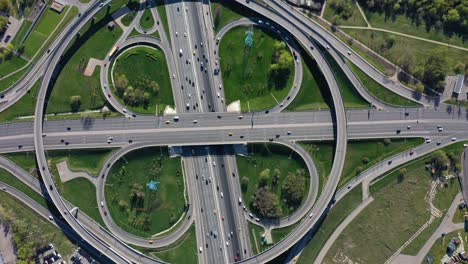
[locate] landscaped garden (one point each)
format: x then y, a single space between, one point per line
259 75
141 80
132 204
274 180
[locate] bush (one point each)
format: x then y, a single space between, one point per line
387 141
365 160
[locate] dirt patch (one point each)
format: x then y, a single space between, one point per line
7 252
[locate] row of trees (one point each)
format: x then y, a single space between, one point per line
140 93
449 15
266 201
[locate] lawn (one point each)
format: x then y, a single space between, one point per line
128 18
322 153
439 248
21 32
23 107
351 97
11 180
147 19
161 208
245 70
40 230
255 234
43 29
375 151
11 65
314 91
9 81
26 160
331 15
334 217
406 25
378 90
186 250
224 11
149 63
82 194
94 42
88 160
279 233
269 156
406 47
398 211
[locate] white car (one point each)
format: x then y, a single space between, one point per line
454 138
222 195
51 217
124 110
200 249
349 52
214 164
220 86
173 76
217 94
102 203
195 121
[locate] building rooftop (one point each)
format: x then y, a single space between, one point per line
459 84
57 6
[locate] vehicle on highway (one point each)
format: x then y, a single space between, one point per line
176 118
105 212
454 138
408 127
102 203
200 249
214 164
222 195
222 217
240 201
438 143
428 140
124 110
51 217
288 133
180 52
150 241
195 121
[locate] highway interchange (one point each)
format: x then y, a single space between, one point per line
207 145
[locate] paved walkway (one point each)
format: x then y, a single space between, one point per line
408 36
363 15
67 175
340 228
92 63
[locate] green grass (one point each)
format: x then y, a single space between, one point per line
313 91
163 206
351 97
334 217
23 107
82 193
378 90
248 80
186 250
459 215
139 62
375 150
163 16
279 233
404 47
26 160
322 153
255 234
9 81
405 25
43 29
128 18
11 65
269 156
38 227
355 19
21 32
227 12
88 160
11 180
85 1
95 41
147 19
398 211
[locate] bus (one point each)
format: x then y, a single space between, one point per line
113 51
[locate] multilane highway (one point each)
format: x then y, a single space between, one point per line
213 130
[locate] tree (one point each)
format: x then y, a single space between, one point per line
389 41
435 71
387 141
264 177
294 188
217 17
121 84
265 203
276 176
365 160
419 88
75 103
440 160
244 183
452 16
401 174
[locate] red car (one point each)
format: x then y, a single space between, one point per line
109 95
236 258
105 212
222 217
